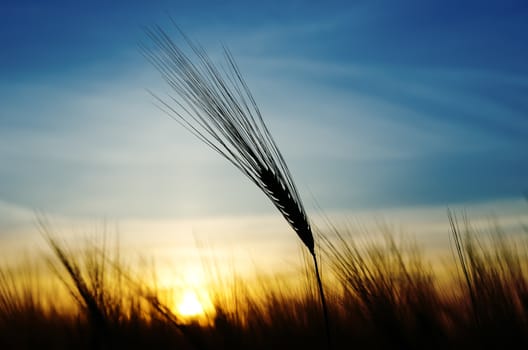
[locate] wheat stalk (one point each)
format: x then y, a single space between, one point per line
217 107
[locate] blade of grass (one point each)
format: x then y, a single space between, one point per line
217 107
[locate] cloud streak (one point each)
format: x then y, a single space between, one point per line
373 107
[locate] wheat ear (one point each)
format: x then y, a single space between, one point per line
217 107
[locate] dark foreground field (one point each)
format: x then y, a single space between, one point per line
382 294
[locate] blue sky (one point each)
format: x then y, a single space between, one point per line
375 105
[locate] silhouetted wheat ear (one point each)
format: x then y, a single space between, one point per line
217 107
290 208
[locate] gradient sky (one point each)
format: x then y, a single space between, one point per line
376 105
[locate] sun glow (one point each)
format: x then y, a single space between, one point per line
190 305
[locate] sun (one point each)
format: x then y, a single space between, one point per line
190 305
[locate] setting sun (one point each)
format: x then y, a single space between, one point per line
190 305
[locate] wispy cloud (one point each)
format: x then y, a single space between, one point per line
374 105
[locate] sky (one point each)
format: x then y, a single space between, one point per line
378 107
